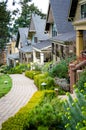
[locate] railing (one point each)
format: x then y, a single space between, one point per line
76 67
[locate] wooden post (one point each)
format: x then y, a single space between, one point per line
72 76
79 42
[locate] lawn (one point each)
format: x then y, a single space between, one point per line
5 84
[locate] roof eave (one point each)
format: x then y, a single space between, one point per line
72 10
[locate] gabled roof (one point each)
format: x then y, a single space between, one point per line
22 36
39 27
60 9
65 37
43 45
72 11
14 56
26 49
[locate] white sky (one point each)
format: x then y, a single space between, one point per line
41 4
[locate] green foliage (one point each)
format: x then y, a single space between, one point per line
75 116
30 74
81 82
5 84
36 67
4 23
60 70
42 128
44 78
15 70
47 115
25 17
84 128
21 119
46 67
19 69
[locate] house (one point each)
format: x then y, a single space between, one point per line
24 46
2 57
39 40
77 15
12 53
60 30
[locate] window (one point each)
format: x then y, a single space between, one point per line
53 48
57 52
35 39
54 30
83 11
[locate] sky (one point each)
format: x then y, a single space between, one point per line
41 4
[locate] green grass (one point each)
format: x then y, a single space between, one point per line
5 87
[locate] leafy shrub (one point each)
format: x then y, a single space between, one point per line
81 82
36 67
44 78
60 70
4 69
38 77
47 116
30 74
15 71
46 67
42 128
75 116
84 128
21 119
18 69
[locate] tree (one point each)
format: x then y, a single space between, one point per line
24 19
4 25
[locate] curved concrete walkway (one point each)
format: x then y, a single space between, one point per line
21 92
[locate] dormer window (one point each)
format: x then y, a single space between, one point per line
83 11
35 39
54 30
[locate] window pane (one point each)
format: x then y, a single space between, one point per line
83 11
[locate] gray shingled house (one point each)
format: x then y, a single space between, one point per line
39 39
61 31
24 46
12 53
2 57
77 14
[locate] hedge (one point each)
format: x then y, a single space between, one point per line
44 78
20 120
30 74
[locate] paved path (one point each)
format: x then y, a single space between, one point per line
22 90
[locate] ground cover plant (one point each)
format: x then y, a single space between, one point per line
20 120
31 73
5 84
45 79
60 69
81 84
47 115
18 69
75 111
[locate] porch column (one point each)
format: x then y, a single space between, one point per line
27 57
8 62
14 63
42 58
72 76
54 58
34 56
79 42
